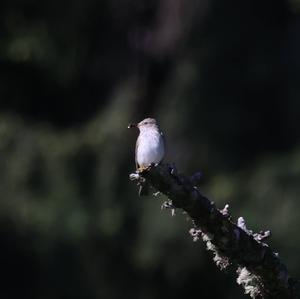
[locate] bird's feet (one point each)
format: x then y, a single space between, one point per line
144 168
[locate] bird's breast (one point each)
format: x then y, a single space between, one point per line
150 148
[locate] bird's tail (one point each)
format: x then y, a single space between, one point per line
144 188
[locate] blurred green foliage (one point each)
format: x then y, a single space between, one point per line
223 80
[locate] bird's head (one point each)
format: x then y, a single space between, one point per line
146 123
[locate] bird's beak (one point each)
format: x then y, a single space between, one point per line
132 125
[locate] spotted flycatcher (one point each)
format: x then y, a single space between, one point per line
150 145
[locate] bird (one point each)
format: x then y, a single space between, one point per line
150 144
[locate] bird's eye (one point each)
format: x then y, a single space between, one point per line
145 123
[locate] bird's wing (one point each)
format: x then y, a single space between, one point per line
136 146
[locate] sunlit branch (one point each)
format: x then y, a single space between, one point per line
259 268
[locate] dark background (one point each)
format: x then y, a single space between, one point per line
222 78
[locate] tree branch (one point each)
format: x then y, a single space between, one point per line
259 269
